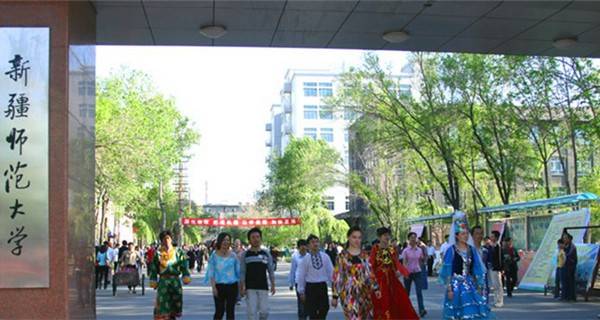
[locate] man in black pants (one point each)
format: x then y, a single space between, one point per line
511 257
315 271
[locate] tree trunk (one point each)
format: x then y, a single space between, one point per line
161 204
546 179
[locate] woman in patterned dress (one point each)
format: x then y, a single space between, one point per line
353 281
168 264
394 302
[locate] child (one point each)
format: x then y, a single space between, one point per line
560 262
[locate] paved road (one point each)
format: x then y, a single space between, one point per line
198 304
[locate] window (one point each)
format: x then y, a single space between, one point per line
329 203
325 89
404 90
348 115
87 110
326 113
310 89
327 134
310 132
310 112
347 203
87 88
346 135
556 167
584 167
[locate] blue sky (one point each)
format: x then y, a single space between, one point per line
227 93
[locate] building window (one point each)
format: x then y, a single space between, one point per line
404 90
326 113
325 89
329 203
346 135
327 134
310 112
310 132
348 114
556 167
87 88
584 167
310 89
347 203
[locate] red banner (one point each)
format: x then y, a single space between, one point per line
238 222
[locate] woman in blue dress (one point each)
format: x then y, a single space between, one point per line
463 274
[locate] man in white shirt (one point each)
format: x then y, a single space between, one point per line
430 258
315 272
296 259
444 246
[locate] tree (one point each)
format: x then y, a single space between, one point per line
140 135
296 183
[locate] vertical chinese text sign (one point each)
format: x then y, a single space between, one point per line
24 134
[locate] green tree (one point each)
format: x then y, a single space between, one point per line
296 183
140 135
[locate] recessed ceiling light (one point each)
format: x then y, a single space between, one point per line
396 36
564 43
213 32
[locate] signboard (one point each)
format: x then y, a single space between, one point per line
242 223
24 107
540 268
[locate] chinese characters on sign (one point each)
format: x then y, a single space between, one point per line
24 88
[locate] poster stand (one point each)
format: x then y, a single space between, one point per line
595 291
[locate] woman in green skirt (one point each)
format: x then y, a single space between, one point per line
168 265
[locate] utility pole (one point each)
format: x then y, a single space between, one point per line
181 188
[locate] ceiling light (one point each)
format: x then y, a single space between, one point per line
564 43
213 32
396 36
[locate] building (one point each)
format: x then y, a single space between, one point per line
303 112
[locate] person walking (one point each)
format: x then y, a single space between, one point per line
496 266
168 265
332 252
129 262
102 263
256 264
560 263
315 271
394 302
223 274
353 281
511 268
296 258
569 269
463 275
413 258
430 258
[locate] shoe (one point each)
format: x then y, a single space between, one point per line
422 313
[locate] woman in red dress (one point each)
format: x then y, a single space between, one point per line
394 302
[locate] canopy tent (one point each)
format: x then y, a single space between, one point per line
430 218
562 201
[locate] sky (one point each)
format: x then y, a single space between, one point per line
227 93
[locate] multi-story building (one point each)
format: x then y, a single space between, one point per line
303 112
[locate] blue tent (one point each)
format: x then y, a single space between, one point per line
569 200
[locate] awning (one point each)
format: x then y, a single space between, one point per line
430 218
568 200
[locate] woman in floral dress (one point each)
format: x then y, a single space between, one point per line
353 281
168 264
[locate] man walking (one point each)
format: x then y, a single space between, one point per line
315 271
511 258
430 258
495 268
255 264
296 259
413 258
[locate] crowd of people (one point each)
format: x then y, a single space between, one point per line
367 281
